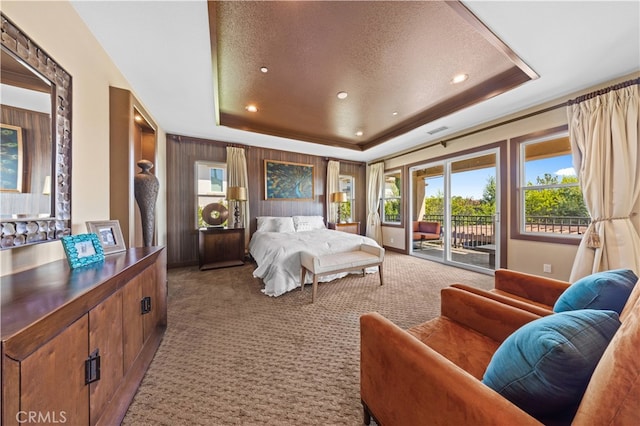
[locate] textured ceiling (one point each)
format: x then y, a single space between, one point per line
394 59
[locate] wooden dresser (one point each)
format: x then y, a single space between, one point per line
350 227
76 343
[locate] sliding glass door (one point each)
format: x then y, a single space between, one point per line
461 194
428 210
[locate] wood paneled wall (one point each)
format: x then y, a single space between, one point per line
183 152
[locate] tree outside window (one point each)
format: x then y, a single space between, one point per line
347 185
550 199
392 197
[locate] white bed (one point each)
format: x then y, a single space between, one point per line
277 244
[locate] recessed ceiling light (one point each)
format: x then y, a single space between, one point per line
342 95
264 69
459 78
251 108
394 113
359 133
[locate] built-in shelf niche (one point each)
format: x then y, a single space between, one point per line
133 137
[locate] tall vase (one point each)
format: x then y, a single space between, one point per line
145 188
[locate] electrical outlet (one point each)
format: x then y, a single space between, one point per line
546 268
391 240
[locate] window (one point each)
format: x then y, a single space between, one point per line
347 185
550 204
211 187
392 197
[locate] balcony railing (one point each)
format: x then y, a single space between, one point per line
471 231
466 230
557 225
391 218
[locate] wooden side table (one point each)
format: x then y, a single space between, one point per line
350 227
220 247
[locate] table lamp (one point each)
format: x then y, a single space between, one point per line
237 194
339 197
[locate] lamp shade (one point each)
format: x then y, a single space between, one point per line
339 197
237 193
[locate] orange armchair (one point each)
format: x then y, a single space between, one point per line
525 291
431 374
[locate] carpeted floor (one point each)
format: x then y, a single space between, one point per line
233 356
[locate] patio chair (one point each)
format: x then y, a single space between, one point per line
426 231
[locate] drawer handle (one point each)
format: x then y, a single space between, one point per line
145 305
92 368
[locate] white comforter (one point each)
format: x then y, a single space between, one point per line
278 255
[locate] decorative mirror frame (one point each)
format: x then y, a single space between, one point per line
16 233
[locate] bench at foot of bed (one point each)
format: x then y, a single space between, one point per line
367 256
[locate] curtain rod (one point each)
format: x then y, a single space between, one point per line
179 138
237 145
522 117
358 163
592 95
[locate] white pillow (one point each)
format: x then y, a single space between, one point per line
308 223
275 224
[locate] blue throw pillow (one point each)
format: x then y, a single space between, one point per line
608 290
545 366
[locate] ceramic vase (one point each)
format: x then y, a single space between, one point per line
145 187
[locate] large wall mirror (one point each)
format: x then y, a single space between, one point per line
35 145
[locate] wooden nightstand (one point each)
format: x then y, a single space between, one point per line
220 247
351 227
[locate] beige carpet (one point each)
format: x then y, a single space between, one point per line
233 356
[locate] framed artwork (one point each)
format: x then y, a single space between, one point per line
82 250
11 158
288 181
109 234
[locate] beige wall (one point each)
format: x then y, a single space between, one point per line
524 256
56 27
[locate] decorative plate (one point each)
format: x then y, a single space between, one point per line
215 214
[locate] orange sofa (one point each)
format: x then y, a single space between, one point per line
431 374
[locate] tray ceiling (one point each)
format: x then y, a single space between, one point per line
394 60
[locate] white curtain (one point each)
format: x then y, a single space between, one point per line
604 141
333 185
419 189
374 193
237 176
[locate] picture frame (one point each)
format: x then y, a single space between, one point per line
11 158
109 234
288 181
82 249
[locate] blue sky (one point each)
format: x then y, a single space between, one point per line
560 165
472 183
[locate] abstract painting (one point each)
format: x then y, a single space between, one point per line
288 181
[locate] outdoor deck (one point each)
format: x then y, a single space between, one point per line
458 254
473 237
